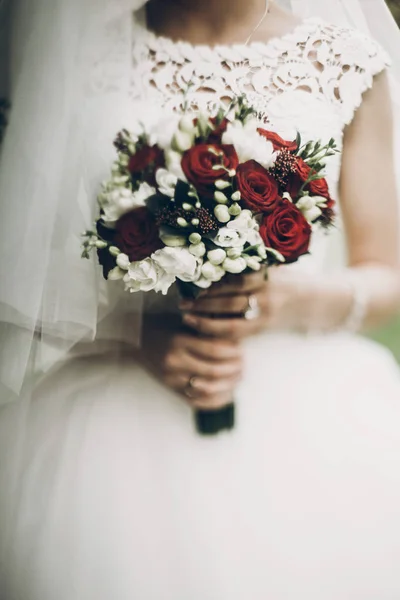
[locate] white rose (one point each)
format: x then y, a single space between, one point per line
249 144
212 272
217 256
122 200
146 275
234 265
229 238
166 182
123 261
178 262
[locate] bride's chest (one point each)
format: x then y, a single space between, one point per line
285 88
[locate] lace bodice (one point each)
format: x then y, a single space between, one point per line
317 63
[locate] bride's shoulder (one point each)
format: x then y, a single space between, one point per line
349 47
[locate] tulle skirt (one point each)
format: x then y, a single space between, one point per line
114 496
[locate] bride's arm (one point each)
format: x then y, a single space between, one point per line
371 283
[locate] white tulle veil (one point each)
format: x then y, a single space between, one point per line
69 91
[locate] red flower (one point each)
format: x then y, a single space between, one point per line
317 187
259 190
145 161
137 234
198 163
287 231
278 142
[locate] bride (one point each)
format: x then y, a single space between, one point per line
106 490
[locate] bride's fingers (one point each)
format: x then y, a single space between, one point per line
183 362
203 393
237 284
209 349
229 328
235 304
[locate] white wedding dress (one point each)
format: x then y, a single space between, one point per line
122 500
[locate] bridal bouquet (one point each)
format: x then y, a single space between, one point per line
194 197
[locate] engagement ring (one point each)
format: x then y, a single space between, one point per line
253 310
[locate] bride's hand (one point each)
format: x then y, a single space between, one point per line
205 371
288 300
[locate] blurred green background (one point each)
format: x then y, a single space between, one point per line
394 6
390 335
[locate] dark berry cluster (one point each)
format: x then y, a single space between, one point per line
285 164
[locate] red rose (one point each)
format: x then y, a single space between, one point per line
318 187
259 190
297 179
137 234
287 231
278 142
146 160
198 162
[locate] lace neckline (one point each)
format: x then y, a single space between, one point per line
152 39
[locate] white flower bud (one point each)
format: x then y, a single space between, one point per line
220 198
195 238
195 222
221 213
217 256
287 196
114 251
232 173
116 274
234 265
124 160
235 210
123 261
187 206
182 141
261 251
236 196
173 241
221 184
186 124
235 252
253 262
101 245
197 250
182 222
203 283
212 272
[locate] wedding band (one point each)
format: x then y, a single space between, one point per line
189 386
253 310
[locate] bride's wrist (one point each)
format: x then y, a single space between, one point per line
340 305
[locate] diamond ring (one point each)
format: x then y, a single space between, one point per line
253 310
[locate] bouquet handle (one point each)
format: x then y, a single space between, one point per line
210 421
